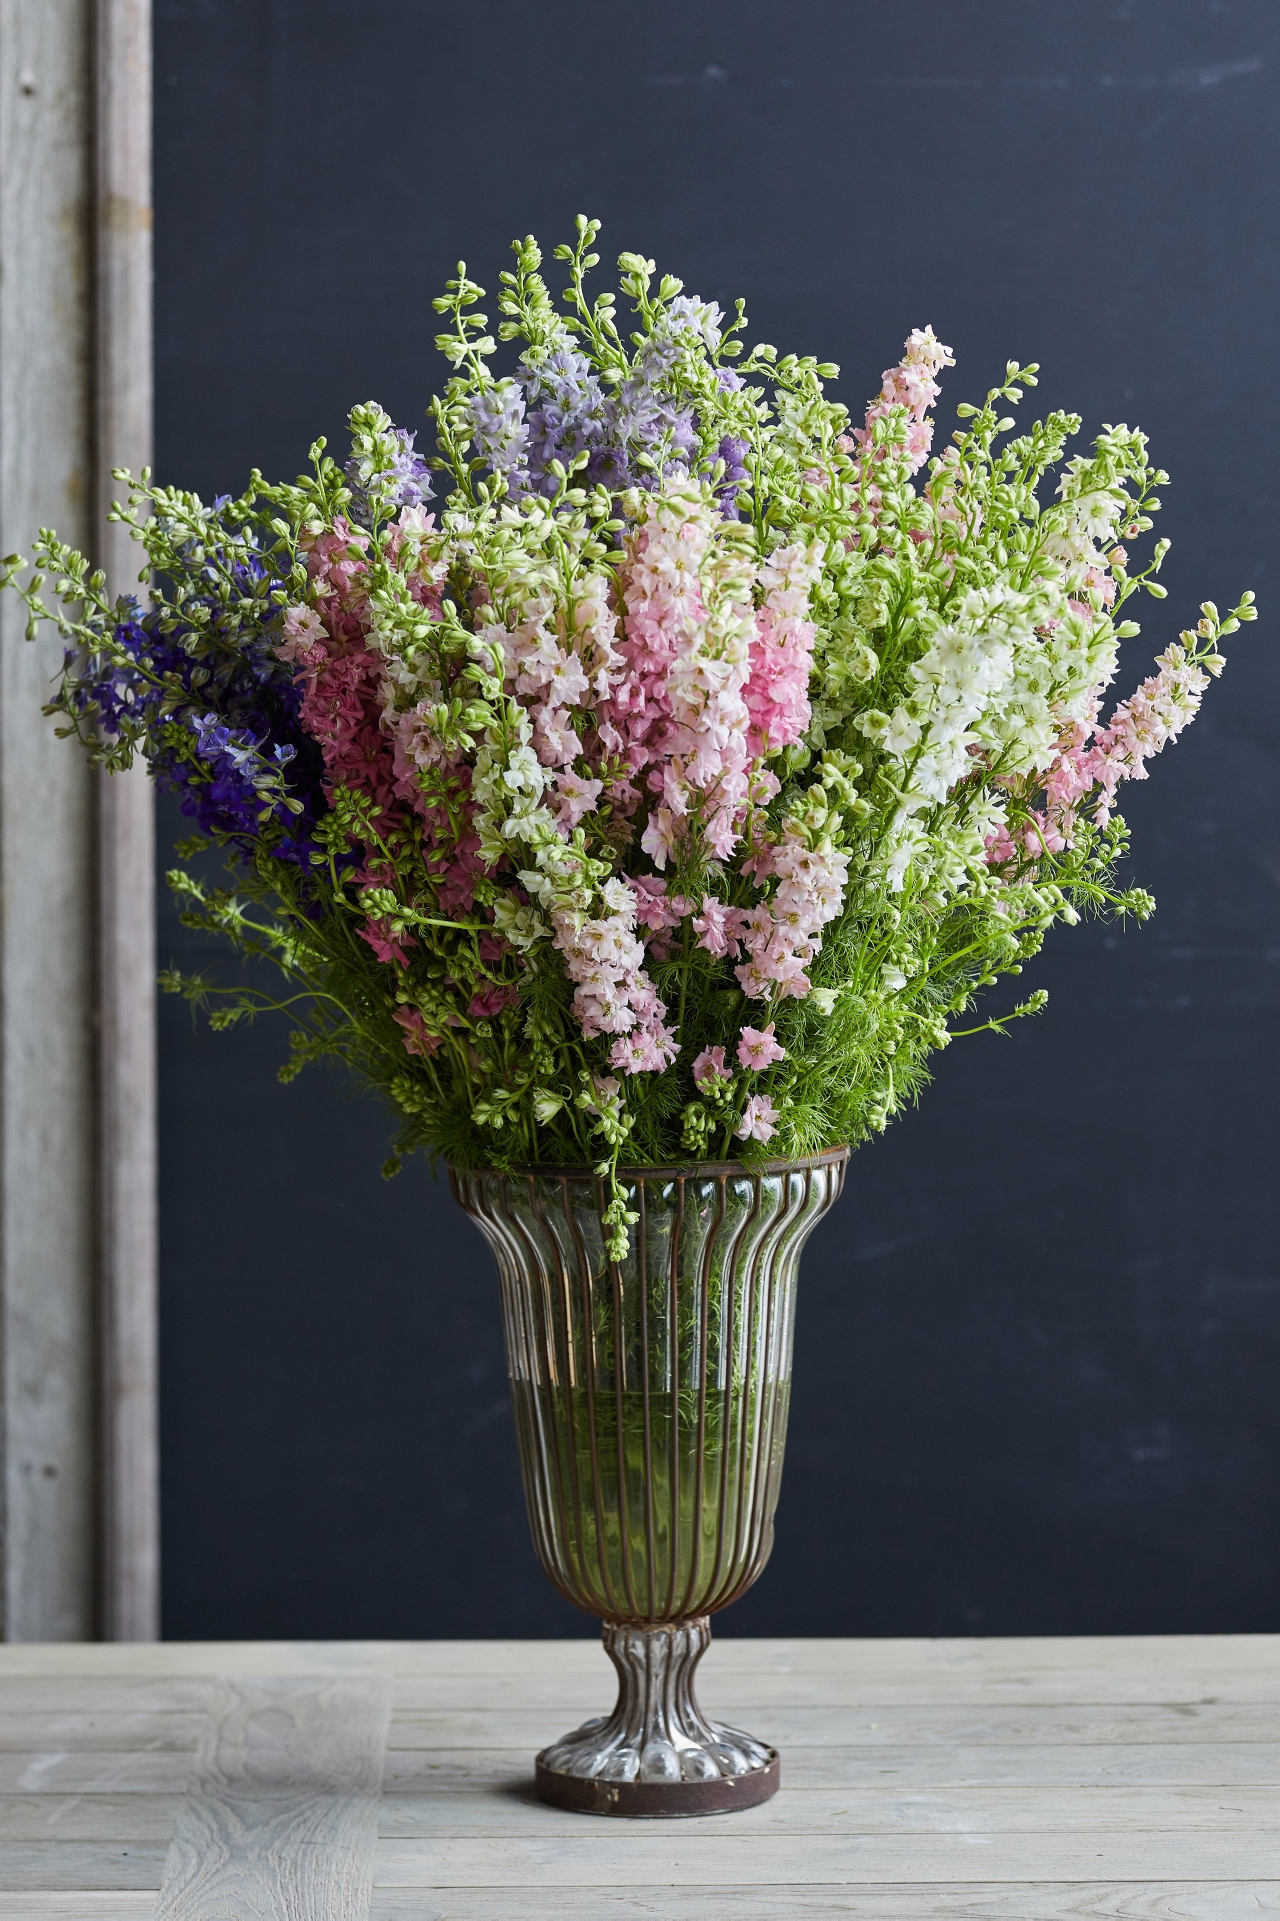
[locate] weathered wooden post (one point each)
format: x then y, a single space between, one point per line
77 1101
126 849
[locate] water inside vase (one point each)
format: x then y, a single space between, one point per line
651 1391
658 1506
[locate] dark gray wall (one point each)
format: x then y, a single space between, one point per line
1038 1341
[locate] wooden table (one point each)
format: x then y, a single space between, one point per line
1010 1779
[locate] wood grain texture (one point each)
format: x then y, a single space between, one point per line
63 1771
126 1818
88 1693
85 1905
47 986
60 1866
30 1731
201 1660
1151 1669
1119 1668
639 1857
460 1770
515 1811
1181 1901
1001 1781
1058 1726
126 849
835 1689
77 1052
165 1771
280 1821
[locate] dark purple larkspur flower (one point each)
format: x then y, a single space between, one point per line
220 708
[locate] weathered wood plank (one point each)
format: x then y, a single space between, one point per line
1097 1668
511 1811
1180 1901
126 849
160 1771
570 1685
53 1866
576 1687
89 1817
464 1770
210 1659
30 1731
637 1857
802 1674
47 1039
110 1693
85 1905
986 1787
63 1771
280 1821
1056 1726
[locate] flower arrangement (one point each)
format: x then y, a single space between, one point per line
669 787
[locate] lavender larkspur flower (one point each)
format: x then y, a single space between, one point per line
733 452
405 482
498 425
556 408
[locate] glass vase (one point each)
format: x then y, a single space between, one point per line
651 1397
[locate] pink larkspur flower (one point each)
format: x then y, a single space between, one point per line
417 1040
387 946
1000 847
781 936
604 1088
305 640
758 1049
648 1050
777 693
659 837
710 1067
491 999
758 1118
572 797
655 908
612 994
712 926
1092 761
675 710
910 385
555 739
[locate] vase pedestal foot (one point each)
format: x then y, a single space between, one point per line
656 1755
658 1800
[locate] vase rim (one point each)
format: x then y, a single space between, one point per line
677 1170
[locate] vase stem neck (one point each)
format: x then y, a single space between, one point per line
657 1732
656 1700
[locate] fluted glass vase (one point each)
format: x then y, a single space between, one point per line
651 1397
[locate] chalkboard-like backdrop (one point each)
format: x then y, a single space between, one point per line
1039 1339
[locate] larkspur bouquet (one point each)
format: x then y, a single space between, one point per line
669 787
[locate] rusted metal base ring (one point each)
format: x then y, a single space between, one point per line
658 1800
